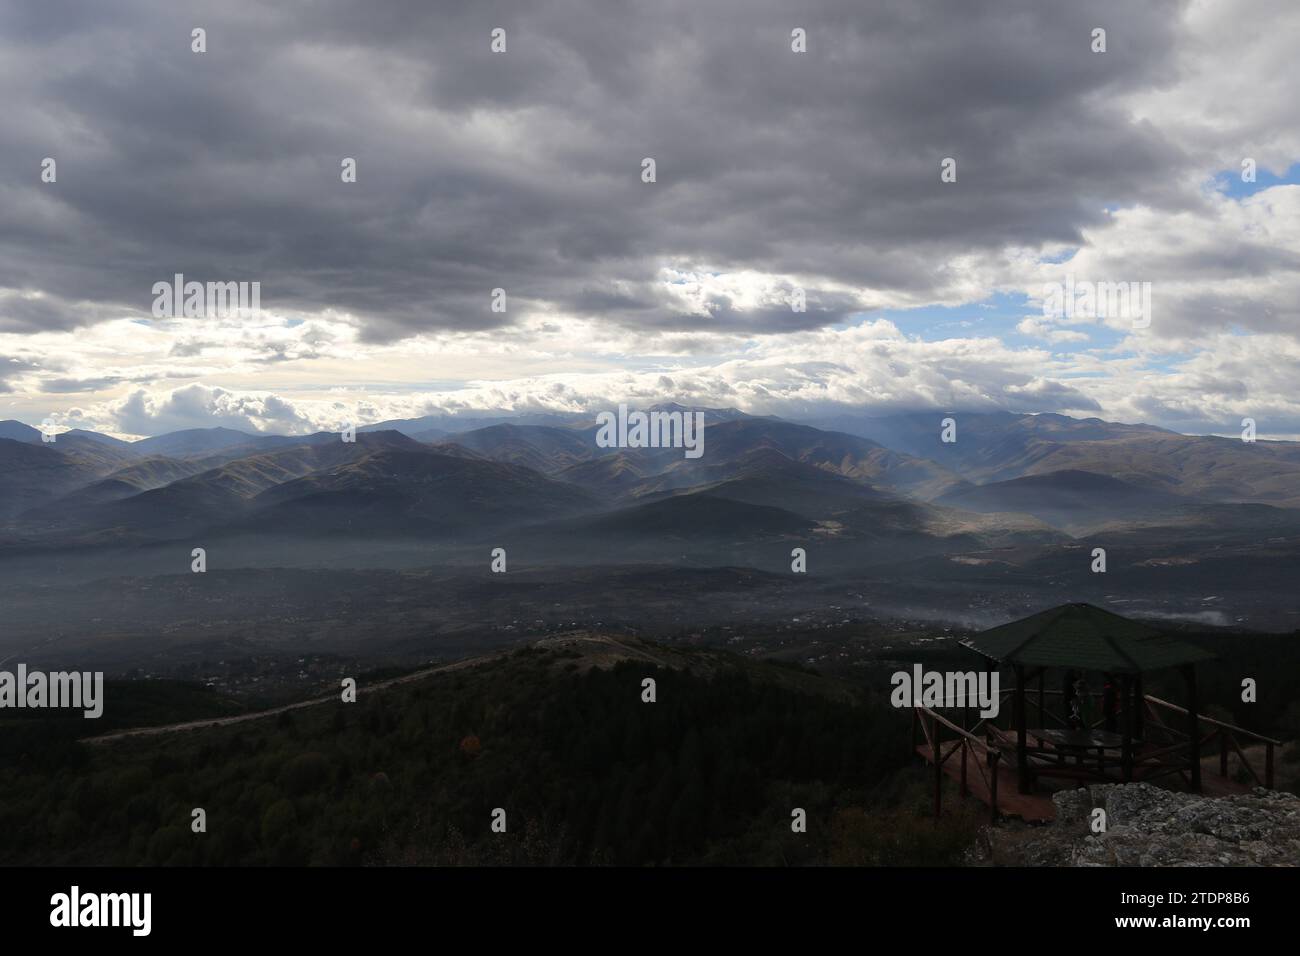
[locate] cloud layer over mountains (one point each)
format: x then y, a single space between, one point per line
521 170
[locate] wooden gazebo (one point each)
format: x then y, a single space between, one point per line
1077 639
1132 736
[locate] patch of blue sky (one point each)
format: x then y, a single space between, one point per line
997 316
1100 338
1166 362
1064 256
1229 181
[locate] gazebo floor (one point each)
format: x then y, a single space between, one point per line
1037 807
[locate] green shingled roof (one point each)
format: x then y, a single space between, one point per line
1085 637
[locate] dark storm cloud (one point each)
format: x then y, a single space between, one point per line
1047 394
71 386
522 170
11 367
20 313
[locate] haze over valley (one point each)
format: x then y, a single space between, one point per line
381 548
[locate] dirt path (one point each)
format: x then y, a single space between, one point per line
612 643
274 711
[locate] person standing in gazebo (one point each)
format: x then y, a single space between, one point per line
1083 703
1069 708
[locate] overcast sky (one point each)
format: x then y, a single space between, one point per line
776 170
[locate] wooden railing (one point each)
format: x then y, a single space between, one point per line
1228 738
1228 735
963 742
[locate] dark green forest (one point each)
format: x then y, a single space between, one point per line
586 772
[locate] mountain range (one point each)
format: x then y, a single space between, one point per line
1012 491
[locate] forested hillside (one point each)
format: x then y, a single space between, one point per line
558 736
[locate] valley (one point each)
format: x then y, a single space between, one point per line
378 550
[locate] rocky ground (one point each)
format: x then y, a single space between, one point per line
1148 826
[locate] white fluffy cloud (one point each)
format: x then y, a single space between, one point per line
870 366
1222 263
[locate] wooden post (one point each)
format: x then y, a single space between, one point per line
964 791
1022 755
965 744
993 785
991 667
1193 727
938 768
1268 764
1139 704
1126 692
1042 720
1223 753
